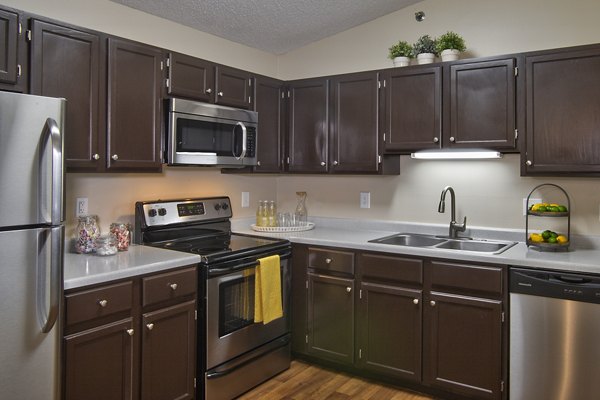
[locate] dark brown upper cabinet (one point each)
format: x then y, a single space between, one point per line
269 103
190 77
233 87
308 130
480 104
66 63
413 109
563 128
134 103
13 55
354 135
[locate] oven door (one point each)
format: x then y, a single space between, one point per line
230 327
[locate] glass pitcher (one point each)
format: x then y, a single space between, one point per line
301 215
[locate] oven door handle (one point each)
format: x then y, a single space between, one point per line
230 367
212 272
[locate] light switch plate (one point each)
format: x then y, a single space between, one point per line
531 202
365 199
245 199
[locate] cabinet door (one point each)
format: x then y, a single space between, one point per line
134 76
269 105
9 31
191 77
463 345
65 63
480 105
414 109
308 125
331 318
354 137
169 353
562 112
389 330
233 87
99 363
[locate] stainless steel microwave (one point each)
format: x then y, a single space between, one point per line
210 135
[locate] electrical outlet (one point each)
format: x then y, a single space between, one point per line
365 199
81 206
245 199
532 201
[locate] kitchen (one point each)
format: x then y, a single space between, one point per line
495 201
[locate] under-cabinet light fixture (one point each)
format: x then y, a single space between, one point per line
456 155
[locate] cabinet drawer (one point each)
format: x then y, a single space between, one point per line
331 260
464 277
99 302
394 269
167 286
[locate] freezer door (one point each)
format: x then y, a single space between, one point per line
31 160
30 297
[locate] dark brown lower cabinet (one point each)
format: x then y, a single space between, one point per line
389 330
100 362
463 345
331 317
168 352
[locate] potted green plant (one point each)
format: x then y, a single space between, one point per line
449 45
424 48
401 53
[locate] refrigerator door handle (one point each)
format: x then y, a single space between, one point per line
51 133
48 313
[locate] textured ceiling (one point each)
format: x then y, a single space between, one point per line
275 26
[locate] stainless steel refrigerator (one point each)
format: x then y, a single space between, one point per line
31 245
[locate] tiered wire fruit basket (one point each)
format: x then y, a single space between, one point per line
544 212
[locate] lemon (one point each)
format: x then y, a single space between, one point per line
562 239
535 207
554 205
536 237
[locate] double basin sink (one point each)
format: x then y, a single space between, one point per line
445 243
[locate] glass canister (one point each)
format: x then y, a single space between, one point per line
122 234
86 233
301 215
106 245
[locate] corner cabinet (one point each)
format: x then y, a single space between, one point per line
562 89
269 102
55 51
134 106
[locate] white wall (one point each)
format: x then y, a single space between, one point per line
489 193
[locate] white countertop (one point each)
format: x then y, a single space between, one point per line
583 255
83 270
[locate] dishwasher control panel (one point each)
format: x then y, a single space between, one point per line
556 284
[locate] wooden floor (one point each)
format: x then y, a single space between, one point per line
306 381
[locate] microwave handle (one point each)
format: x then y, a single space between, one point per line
244 139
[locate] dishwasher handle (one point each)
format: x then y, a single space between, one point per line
544 283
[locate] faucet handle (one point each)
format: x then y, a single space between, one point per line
462 227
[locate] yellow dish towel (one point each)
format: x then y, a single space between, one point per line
267 290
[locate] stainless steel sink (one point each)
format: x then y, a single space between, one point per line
436 242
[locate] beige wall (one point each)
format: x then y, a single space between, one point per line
489 193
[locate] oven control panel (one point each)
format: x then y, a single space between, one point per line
186 210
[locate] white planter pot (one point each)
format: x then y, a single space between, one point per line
425 58
449 55
401 61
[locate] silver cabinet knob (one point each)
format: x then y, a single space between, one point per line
130 332
209 91
415 301
322 163
150 326
258 163
335 163
528 162
220 94
115 157
102 303
96 156
432 303
348 289
173 286
435 140
328 261
452 139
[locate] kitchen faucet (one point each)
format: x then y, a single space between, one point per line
454 227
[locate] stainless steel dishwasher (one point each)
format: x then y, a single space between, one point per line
554 335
